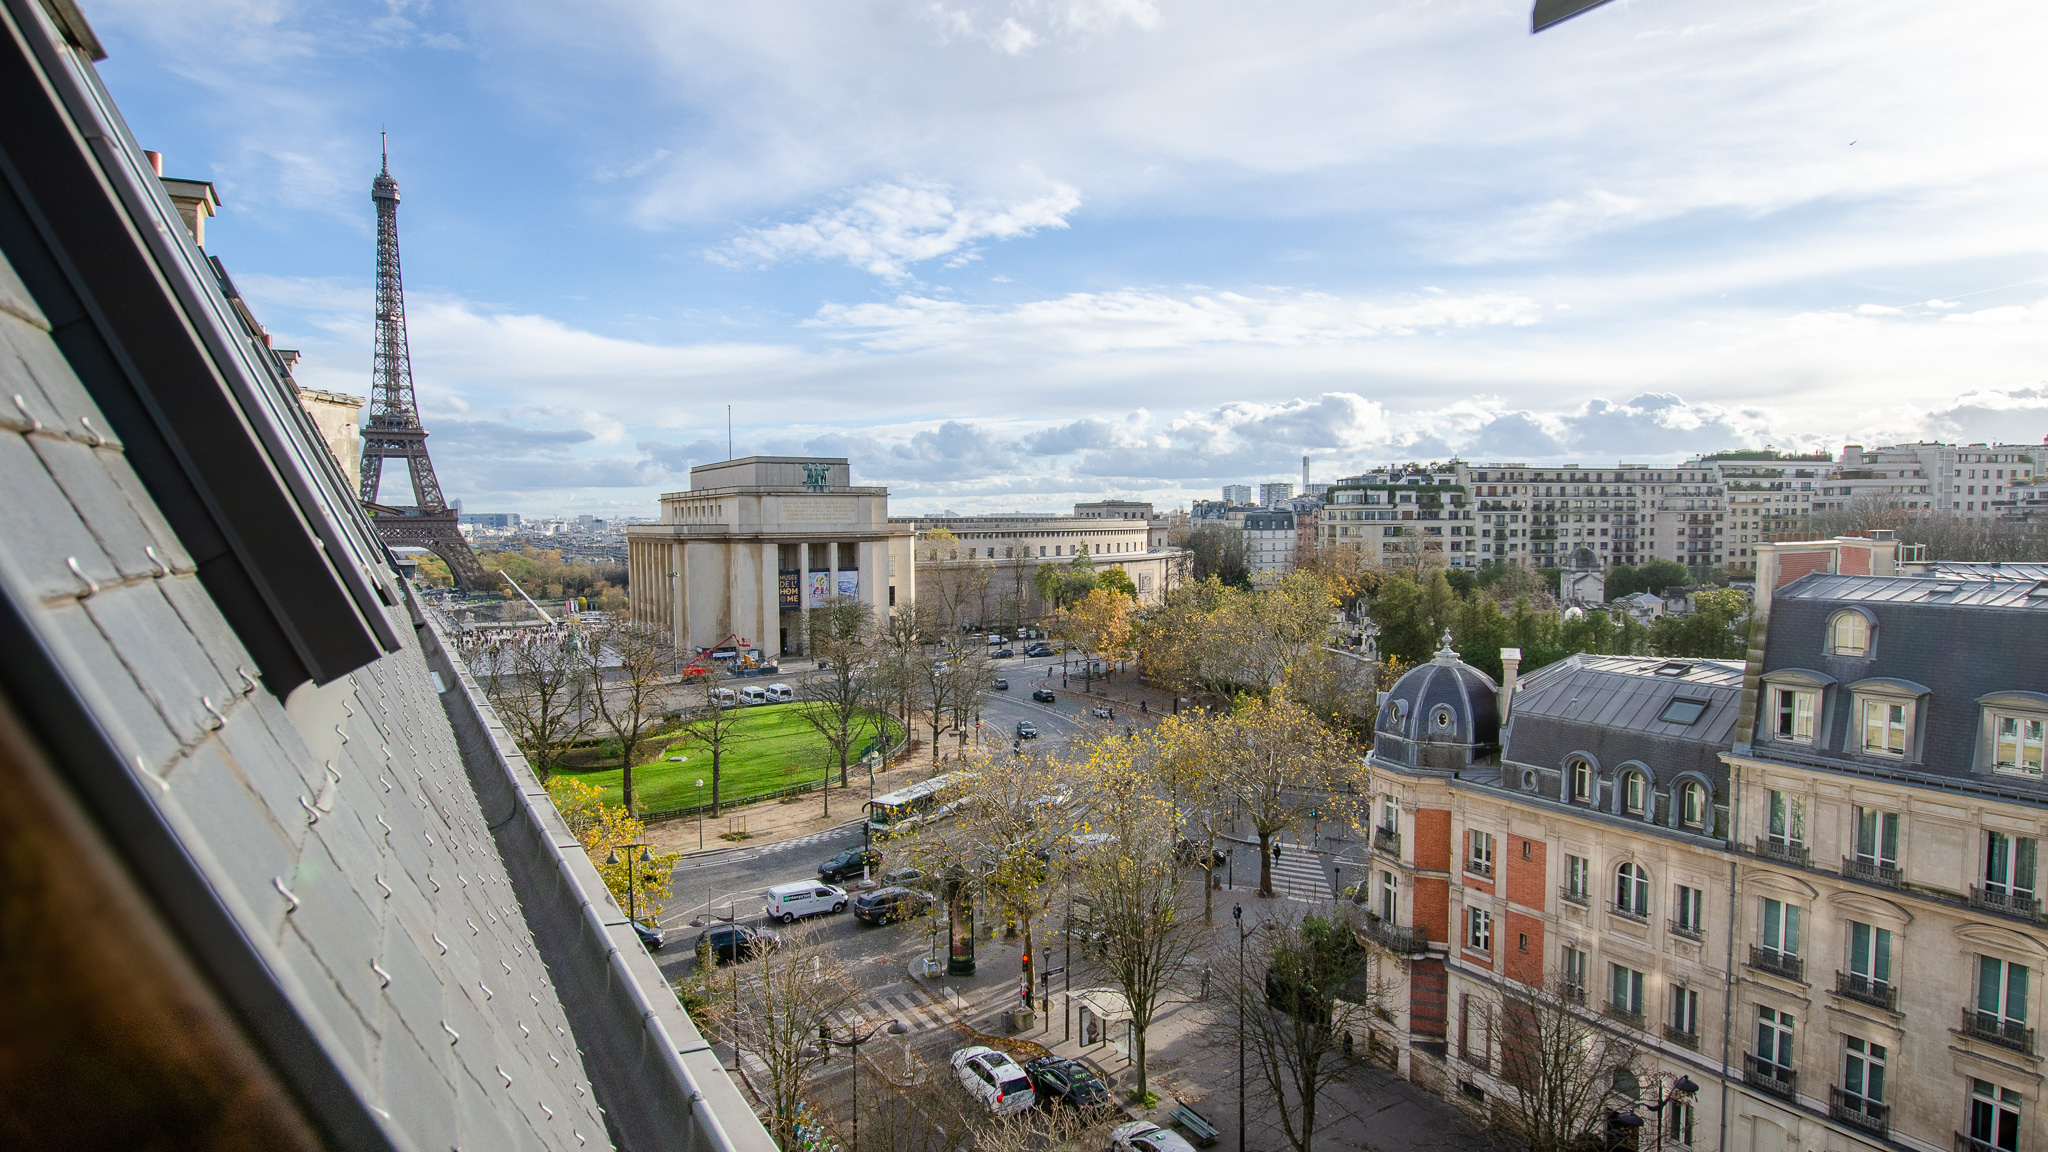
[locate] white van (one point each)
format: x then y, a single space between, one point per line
723 697
752 695
786 902
781 693
996 641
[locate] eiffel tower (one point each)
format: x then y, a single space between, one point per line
394 431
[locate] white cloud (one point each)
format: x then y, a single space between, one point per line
886 228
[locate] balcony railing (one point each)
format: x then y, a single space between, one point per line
2000 900
1855 1111
1875 871
1387 840
1627 913
1677 1035
1782 850
1689 931
1479 867
1772 1078
1570 897
1869 991
1972 1144
1576 994
2007 1033
1777 963
1396 938
1620 1012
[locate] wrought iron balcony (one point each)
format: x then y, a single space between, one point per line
1479 867
1777 963
1396 938
1575 994
1875 871
1773 1078
2006 1033
1677 1035
1869 991
1855 1111
1689 931
1783 850
1387 840
1619 1012
1972 1144
2000 900
1570 897
1627 913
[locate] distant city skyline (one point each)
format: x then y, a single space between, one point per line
1009 255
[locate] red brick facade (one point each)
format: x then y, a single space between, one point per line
1433 839
1528 882
1521 945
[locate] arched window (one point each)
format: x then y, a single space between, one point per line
1692 805
1632 891
1634 791
1849 634
1581 781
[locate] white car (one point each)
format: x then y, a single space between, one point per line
994 1079
786 902
1145 1136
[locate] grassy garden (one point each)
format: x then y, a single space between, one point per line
776 749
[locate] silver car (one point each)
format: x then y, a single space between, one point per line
994 1079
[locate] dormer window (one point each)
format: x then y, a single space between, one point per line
2014 734
1582 781
1692 804
1886 713
1849 634
1793 715
1442 717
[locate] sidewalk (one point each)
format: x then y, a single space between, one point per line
774 821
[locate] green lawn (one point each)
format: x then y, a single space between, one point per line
775 736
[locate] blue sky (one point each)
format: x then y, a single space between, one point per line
1011 253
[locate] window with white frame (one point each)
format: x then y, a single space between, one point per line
2002 989
1479 930
1578 872
1685 1009
1633 791
1886 723
1691 915
1575 969
1582 781
1870 957
1389 899
1625 988
1632 890
1849 634
1692 804
1994 1118
1877 836
1390 814
1786 819
1774 1037
2009 865
2017 730
1679 1117
1793 714
1863 1074
1479 860
1780 929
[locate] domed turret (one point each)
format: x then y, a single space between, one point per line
1444 714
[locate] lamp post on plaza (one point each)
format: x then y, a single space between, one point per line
700 815
825 1042
632 873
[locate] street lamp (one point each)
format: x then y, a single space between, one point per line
824 1048
700 815
1629 1120
1243 934
632 873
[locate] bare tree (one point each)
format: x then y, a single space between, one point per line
1557 1068
971 674
837 699
715 728
538 683
773 1010
933 687
626 665
1301 994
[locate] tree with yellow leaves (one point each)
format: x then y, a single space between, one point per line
638 878
1099 624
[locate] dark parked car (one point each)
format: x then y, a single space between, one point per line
1063 1081
886 904
850 864
649 935
1001 654
1042 695
900 877
1039 650
731 942
1026 730
1001 685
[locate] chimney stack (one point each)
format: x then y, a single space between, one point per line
194 199
1510 663
156 162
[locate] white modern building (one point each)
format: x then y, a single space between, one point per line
1237 493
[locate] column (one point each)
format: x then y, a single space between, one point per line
679 601
770 643
803 596
832 559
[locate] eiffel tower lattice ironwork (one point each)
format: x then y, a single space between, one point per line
394 431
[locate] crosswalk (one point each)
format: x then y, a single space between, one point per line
917 1014
1302 874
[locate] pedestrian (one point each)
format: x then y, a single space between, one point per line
1276 853
1142 706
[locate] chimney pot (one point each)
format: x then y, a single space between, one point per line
156 162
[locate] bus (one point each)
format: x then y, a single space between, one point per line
906 808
